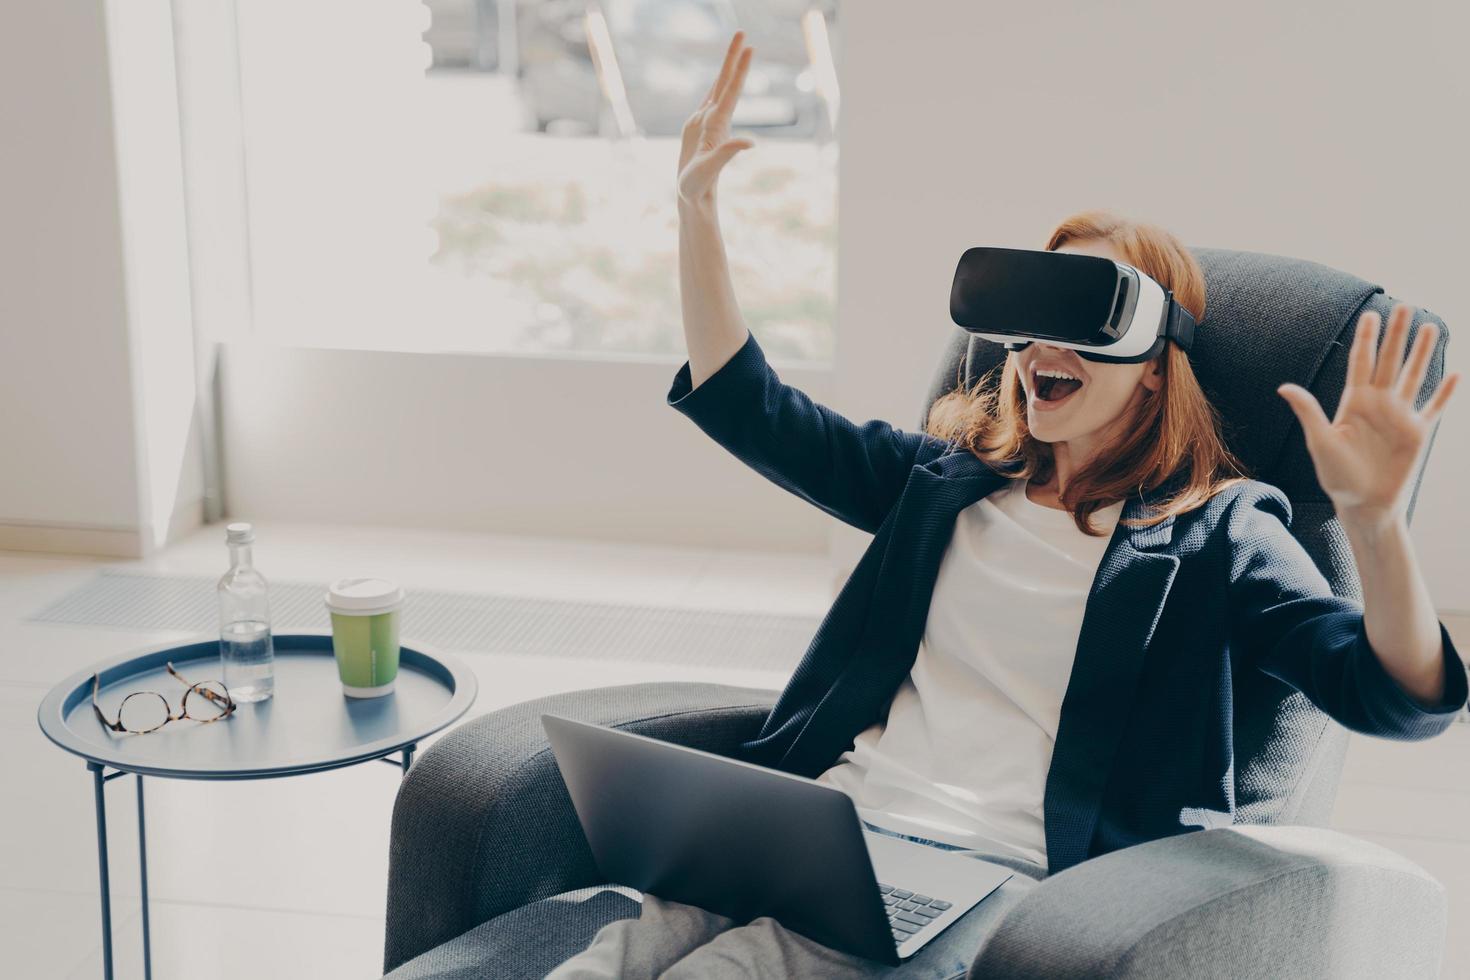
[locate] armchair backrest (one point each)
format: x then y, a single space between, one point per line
1268 319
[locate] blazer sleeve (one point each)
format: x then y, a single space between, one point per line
1288 623
855 472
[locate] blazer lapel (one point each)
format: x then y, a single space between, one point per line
965 476
914 545
1123 607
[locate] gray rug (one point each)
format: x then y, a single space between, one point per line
465 621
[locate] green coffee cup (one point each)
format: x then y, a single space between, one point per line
365 615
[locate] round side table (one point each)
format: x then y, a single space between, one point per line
307 726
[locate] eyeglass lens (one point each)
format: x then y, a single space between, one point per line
143 711
206 701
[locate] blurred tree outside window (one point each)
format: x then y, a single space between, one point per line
499 175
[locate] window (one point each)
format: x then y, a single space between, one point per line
498 175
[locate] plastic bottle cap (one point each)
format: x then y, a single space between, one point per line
363 596
239 533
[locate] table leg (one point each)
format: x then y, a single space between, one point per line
408 757
143 883
97 786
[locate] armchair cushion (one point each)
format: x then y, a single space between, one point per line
1229 902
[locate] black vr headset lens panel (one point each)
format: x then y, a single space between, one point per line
1105 310
1041 295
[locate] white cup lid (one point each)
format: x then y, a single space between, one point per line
363 595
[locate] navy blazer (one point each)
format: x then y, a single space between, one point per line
1182 618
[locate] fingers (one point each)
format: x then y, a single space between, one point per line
694 126
1308 410
1391 354
1413 374
721 154
725 104
731 53
1360 355
1432 408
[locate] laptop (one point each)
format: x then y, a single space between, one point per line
745 841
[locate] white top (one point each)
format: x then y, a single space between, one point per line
964 753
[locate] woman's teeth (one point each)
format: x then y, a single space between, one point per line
1054 385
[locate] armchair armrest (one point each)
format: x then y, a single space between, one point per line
483 823
1229 902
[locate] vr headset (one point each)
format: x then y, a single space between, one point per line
1102 309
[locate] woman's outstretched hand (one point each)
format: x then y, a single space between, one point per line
706 145
1366 456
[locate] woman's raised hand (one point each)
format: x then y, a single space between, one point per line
706 145
1366 456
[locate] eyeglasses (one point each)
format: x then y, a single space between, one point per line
147 711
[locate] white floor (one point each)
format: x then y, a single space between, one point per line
286 878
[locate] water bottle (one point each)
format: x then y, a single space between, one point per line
246 654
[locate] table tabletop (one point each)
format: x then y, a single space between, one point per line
308 725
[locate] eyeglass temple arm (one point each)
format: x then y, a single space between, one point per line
202 690
116 726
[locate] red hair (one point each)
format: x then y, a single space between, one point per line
1175 431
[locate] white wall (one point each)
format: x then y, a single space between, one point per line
423 440
68 467
98 439
1331 131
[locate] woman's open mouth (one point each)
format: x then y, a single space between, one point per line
1052 386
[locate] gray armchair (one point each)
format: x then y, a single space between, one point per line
490 874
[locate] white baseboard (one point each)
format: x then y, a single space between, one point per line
72 539
97 540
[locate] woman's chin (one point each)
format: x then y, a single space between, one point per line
1040 431
1048 425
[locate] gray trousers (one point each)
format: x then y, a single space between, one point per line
673 941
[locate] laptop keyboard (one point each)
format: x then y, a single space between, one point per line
908 913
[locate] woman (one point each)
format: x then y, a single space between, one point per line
1076 533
